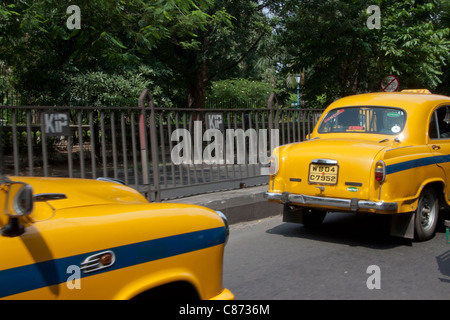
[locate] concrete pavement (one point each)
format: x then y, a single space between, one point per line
239 205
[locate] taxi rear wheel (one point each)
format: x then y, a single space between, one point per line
426 215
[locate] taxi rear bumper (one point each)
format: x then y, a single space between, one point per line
353 204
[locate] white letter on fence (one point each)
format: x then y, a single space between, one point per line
183 147
216 146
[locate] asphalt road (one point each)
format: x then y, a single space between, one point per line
272 260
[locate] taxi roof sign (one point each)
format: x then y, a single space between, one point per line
417 91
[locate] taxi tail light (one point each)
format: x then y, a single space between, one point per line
380 171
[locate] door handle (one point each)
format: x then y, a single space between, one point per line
435 147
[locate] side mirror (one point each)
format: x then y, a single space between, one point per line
19 200
19 203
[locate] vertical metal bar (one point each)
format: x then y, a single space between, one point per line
219 156
133 143
15 143
309 122
258 165
143 142
163 149
80 143
92 139
29 143
114 145
69 154
103 138
196 178
169 131
235 128
44 148
188 166
124 146
248 149
154 151
180 166
288 117
225 145
303 125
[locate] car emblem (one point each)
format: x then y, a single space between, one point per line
98 261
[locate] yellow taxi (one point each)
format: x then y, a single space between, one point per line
381 153
88 239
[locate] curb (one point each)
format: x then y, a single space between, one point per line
240 205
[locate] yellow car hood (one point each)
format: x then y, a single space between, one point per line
82 192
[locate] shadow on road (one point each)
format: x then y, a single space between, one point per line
347 228
443 262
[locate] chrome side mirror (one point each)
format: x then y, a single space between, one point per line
19 203
19 200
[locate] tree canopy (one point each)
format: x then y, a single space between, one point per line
331 42
185 50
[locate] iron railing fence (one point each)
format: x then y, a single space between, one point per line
157 151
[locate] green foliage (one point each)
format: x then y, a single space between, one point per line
98 88
47 58
415 47
257 92
185 50
340 55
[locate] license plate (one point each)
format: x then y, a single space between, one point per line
323 174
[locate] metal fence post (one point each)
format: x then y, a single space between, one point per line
274 110
153 144
143 141
154 150
44 147
272 104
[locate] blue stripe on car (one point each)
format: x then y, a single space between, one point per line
52 272
416 163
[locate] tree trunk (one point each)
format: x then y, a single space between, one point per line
197 87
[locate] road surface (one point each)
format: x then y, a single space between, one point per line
347 257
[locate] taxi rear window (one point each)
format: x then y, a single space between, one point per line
367 119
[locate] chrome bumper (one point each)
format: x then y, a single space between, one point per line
353 204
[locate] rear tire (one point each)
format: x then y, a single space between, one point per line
427 215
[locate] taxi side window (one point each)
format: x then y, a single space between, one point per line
440 123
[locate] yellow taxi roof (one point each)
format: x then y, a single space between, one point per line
418 106
405 100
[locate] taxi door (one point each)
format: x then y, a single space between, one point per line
439 140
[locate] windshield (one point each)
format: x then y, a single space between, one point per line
380 120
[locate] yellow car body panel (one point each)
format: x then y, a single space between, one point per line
393 134
152 244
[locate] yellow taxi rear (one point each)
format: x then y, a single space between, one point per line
385 153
